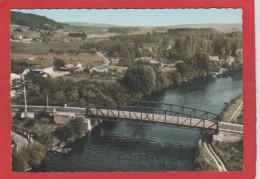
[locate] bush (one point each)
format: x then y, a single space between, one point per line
139 78
71 131
18 30
30 123
34 153
18 162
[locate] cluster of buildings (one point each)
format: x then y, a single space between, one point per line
19 72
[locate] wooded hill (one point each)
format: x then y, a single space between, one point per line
34 21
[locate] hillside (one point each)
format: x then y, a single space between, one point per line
34 21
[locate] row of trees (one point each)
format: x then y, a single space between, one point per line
145 77
173 45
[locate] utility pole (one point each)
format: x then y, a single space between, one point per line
25 102
47 100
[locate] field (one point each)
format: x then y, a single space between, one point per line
43 48
84 59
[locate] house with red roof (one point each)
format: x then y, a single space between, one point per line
67 67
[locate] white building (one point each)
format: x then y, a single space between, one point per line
78 66
19 71
100 68
45 69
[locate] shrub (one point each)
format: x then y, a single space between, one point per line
18 162
34 153
30 123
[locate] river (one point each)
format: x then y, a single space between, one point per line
132 147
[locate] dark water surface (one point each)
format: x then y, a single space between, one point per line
126 146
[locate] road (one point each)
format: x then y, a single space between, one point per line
106 61
19 140
219 163
236 113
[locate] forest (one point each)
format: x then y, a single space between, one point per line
173 45
34 21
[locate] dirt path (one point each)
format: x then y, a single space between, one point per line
236 113
217 160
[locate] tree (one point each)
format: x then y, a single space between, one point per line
64 132
18 162
58 63
34 153
139 78
73 95
34 90
78 126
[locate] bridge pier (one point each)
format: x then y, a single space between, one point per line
91 123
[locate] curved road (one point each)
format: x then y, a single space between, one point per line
106 61
19 140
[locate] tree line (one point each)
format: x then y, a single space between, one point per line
173 45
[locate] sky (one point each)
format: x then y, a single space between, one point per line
142 17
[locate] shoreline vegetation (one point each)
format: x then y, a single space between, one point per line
231 154
46 135
230 109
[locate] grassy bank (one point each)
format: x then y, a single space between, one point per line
203 160
231 155
231 108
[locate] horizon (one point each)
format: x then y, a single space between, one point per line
141 17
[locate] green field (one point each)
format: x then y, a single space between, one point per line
42 48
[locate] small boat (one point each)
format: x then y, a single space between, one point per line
63 144
54 148
63 150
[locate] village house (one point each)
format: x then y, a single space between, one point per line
115 60
15 78
18 37
100 68
31 58
63 117
67 67
148 59
21 71
44 69
78 66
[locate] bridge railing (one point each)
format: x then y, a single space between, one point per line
160 105
151 114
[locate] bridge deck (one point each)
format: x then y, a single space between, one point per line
94 113
158 118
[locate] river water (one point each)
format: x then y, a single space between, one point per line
132 147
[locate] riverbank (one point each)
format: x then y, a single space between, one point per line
230 152
48 134
231 111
